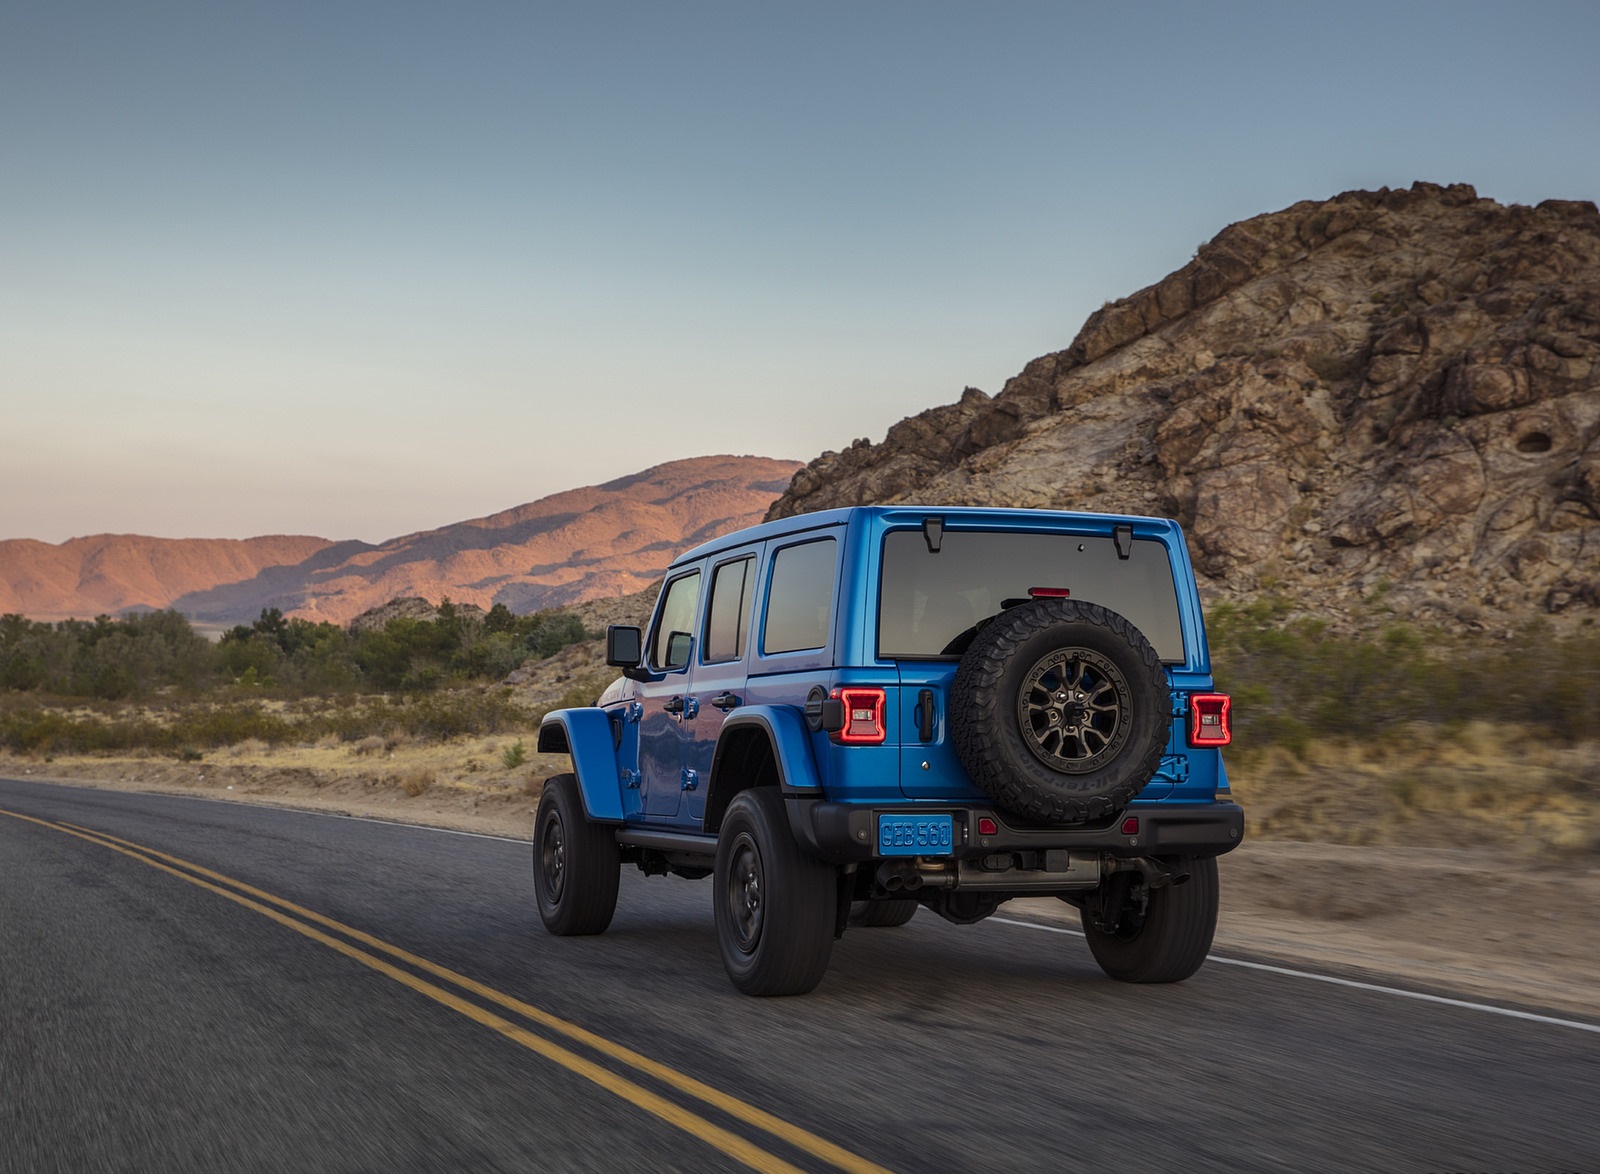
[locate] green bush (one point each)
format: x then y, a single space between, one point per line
1296 680
139 656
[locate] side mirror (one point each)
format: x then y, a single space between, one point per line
678 647
624 648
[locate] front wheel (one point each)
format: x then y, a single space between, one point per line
775 905
1159 935
576 864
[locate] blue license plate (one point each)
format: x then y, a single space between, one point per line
915 835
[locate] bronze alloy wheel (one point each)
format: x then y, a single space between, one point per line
1073 710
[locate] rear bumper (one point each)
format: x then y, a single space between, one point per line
846 832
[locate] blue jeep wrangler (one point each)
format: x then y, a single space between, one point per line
845 715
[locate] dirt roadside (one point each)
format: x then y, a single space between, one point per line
1464 923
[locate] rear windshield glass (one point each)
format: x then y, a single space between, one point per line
931 605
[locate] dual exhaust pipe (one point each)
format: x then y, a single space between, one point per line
904 877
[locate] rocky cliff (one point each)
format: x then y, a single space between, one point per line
1390 393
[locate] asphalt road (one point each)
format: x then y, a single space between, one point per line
385 999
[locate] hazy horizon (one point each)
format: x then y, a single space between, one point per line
363 272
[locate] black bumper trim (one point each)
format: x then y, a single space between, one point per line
845 832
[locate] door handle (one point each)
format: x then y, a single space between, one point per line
924 715
675 705
725 701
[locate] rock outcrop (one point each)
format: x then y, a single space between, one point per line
410 607
1390 392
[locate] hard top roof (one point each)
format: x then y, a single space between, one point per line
913 515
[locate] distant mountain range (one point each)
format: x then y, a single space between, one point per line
602 540
1383 403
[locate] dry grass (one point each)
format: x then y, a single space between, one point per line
1428 786
415 781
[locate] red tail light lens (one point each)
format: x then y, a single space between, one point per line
863 716
1209 719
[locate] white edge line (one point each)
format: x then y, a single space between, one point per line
1398 992
393 823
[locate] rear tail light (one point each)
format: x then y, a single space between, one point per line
1209 719
863 716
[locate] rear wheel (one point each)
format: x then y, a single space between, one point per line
775 905
576 863
1157 935
891 912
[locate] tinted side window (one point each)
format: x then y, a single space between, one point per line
800 597
728 613
669 643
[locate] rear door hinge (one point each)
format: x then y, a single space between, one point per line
1174 767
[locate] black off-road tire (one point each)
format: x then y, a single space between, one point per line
884 914
1162 935
1060 711
576 863
775 905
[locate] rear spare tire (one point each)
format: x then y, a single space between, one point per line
1060 710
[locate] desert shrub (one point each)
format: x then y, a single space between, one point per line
454 715
548 633
229 725
406 654
1295 680
514 755
138 656
415 782
35 729
106 659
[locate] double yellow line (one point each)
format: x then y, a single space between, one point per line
305 922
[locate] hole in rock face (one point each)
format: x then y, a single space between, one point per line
1534 442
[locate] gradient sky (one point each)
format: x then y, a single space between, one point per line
358 269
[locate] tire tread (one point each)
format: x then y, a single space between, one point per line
979 707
